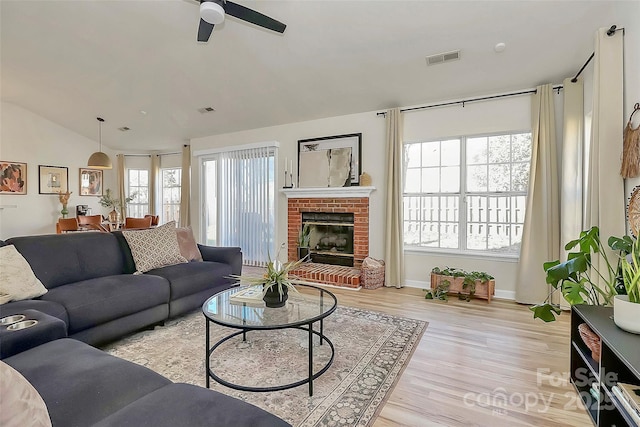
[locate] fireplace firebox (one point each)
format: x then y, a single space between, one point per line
331 237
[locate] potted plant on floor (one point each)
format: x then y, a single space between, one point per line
440 292
626 308
466 284
577 278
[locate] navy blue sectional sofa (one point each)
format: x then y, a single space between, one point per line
94 297
92 288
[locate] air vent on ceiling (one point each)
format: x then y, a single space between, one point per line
205 110
124 128
443 57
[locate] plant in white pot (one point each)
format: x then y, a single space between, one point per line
626 308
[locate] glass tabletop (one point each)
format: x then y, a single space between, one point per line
308 305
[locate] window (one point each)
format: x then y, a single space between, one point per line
170 194
239 202
467 194
138 188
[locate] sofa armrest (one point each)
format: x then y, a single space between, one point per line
47 328
228 255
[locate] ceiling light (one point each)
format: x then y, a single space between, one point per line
500 47
211 12
99 160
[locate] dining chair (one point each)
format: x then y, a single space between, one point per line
137 222
154 219
67 224
89 219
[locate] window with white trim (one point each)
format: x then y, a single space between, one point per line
467 194
138 188
170 194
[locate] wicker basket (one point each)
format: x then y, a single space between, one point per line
591 340
372 273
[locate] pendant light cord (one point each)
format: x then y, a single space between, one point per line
100 120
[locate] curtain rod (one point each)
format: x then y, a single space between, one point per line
149 155
464 101
610 32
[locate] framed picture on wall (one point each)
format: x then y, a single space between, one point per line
13 177
53 179
90 182
330 161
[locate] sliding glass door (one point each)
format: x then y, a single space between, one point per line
239 201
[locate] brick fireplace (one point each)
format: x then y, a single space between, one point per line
326 202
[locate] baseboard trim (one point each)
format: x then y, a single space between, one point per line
500 294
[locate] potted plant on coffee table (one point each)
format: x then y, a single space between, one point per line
304 239
275 281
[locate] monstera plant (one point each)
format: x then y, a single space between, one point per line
578 277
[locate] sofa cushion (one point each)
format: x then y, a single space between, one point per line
93 302
187 279
80 384
58 259
17 281
20 403
188 405
155 247
187 243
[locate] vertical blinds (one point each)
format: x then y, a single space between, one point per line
246 214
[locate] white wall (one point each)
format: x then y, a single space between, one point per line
373 131
29 138
628 17
506 114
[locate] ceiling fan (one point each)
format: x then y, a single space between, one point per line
212 12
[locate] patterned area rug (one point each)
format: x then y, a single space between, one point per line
371 351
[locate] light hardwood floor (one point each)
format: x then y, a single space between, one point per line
477 364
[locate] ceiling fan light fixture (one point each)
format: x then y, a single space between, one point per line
99 160
211 12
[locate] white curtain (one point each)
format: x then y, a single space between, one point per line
605 201
571 193
121 180
572 179
394 229
153 184
185 187
541 231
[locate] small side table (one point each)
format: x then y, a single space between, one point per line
47 329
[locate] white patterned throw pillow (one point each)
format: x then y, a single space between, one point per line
154 247
17 281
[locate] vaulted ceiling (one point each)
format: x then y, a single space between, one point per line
70 61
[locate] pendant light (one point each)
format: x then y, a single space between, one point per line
100 160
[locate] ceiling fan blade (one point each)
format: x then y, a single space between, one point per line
204 31
254 17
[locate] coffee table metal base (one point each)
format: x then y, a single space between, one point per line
309 379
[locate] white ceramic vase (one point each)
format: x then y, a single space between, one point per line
626 315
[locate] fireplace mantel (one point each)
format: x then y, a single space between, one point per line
327 192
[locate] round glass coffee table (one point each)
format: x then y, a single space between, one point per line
302 310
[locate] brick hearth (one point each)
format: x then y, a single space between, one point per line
359 206
337 275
